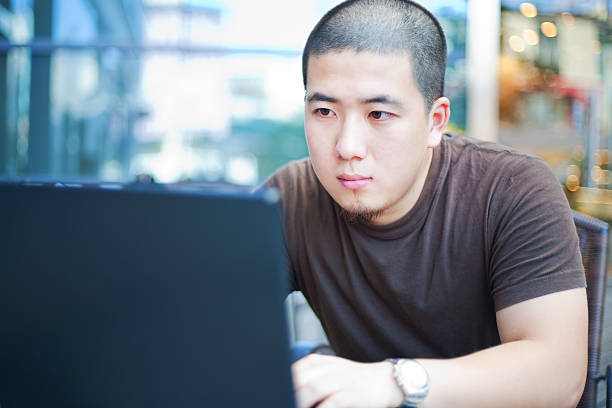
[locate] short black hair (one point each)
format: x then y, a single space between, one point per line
383 27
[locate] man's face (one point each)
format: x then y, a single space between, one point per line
369 137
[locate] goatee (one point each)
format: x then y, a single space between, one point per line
360 215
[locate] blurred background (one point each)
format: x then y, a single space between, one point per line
200 90
211 90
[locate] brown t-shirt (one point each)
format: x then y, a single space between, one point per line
491 228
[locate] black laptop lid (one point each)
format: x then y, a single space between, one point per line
147 298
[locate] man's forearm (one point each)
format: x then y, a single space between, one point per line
516 374
542 361
523 373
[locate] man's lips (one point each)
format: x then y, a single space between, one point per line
354 181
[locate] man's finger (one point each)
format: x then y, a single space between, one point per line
337 400
312 393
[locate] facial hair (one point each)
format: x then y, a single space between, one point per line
361 215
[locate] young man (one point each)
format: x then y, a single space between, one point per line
458 257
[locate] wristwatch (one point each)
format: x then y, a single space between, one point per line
412 379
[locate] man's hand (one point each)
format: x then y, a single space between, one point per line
336 382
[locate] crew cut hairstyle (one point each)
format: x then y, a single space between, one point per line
384 27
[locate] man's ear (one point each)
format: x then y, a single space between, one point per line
438 119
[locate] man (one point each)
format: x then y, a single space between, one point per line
458 256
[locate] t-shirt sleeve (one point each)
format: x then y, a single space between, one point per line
534 248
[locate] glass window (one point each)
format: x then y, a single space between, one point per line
201 90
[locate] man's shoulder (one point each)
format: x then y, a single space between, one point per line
294 169
492 156
292 174
297 183
461 143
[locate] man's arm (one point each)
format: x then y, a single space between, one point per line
542 362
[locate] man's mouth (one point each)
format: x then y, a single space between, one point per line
354 181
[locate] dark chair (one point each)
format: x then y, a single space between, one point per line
593 236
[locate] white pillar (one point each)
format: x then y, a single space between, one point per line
483 28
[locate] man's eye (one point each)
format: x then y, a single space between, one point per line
378 115
325 112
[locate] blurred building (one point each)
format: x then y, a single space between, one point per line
555 84
61 90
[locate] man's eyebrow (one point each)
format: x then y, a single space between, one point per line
320 98
384 99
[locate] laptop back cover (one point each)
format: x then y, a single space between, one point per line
141 298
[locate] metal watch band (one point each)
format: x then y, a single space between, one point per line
412 397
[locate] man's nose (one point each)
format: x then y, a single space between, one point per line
351 143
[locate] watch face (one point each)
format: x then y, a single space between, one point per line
413 380
416 376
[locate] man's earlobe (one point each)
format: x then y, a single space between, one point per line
438 119
434 139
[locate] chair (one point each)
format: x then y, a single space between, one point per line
593 237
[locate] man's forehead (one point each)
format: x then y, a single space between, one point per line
349 63
361 75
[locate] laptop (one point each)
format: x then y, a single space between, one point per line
118 296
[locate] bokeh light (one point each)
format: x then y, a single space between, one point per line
568 19
549 29
516 43
572 182
601 157
531 37
572 169
529 10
